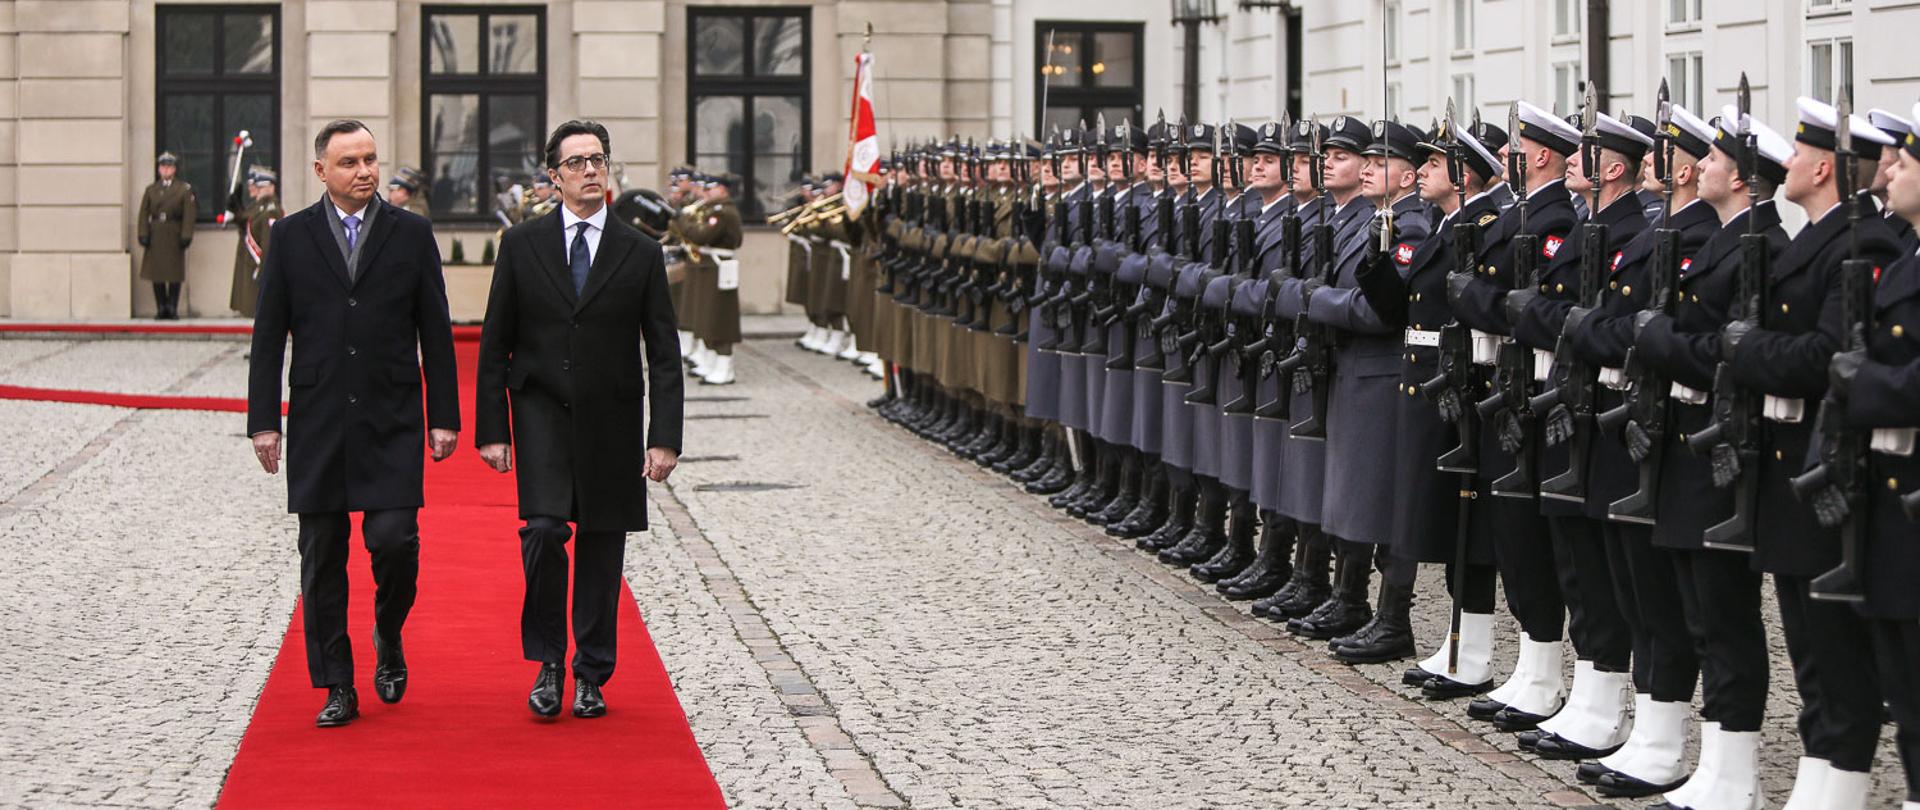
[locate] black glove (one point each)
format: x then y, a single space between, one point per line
1517 302
1641 319
1307 288
1575 317
1507 428
1375 227
1726 465
1449 404
1639 444
1302 381
1731 335
146 241
1830 507
1559 424
1842 369
1457 283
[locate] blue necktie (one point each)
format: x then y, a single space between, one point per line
577 259
352 224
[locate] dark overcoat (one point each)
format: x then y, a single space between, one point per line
1886 394
562 376
355 437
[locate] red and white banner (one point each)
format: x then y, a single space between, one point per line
863 141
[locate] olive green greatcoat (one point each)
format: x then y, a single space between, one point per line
165 226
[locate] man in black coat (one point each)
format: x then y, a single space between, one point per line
358 282
576 296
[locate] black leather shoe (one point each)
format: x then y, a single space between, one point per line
343 705
1055 481
1528 739
1589 773
389 670
1554 746
1337 616
1616 785
1199 545
1440 687
544 700
587 702
1414 676
1388 637
1297 598
1513 720
1484 709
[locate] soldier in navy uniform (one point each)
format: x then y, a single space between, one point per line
1784 356
1898 129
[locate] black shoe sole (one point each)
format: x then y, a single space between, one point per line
1611 786
1373 657
543 715
591 713
1559 749
337 723
1516 722
1454 690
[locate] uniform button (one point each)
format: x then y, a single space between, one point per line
1613 285
1696 298
1416 296
1783 306
1410 391
353 302
1559 288
566 365
566 405
353 399
1893 484
351 351
1898 330
1627 290
1778 457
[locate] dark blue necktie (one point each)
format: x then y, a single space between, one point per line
578 261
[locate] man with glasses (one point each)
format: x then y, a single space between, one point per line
577 295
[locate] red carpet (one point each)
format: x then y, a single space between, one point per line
463 736
460 332
171 402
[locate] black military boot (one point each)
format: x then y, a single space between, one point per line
1005 446
1050 452
1128 497
1106 482
1180 508
986 431
1083 475
1389 637
1151 509
1347 610
1057 474
963 427
1027 451
1308 585
1209 530
1238 552
1271 567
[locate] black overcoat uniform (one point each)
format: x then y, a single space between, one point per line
562 378
1886 394
355 435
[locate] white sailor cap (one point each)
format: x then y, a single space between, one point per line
1774 149
1547 129
1689 134
1619 137
1819 120
1912 141
1896 127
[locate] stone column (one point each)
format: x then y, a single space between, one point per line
70 232
350 65
613 54
9 175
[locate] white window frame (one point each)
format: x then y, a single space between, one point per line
1394 94
1693 12
1569 78
1392 19
1840 68
1824 7
1463 20
1463 93
1688 85
1569 20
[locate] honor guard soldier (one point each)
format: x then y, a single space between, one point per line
165 230
713 236
1898 129
258 213
408 190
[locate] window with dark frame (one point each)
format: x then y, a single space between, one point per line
218 73
748 102
483 104
1095 69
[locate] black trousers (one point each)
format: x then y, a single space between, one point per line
599 556
1525 560
1833 667
1720 595
1896 648
1647 591
1599 633
1475 589
392 537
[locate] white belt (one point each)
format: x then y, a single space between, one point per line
1422 337
1542 363
801 242
1485 348
1613 378
1893 441
1785 411
1689 396
846 258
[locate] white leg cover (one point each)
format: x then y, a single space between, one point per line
1808 782
1535 686
851 350
836 342
686 343
1596 715
1476 651
1735 780
722 371
1656 750
810 340
1844 790
1696 786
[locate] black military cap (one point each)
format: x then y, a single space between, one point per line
1070 141
1489 135
1349 133
1912 142
1241 139
833 177
1158 135
1302 135
1126 138
1198 137
1271 139
1395 139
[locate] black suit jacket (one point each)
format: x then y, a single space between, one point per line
354 430
561 375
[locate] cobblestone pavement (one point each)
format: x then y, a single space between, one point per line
851 617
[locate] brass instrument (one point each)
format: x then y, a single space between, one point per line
831 208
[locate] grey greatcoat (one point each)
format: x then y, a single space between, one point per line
1269 435
1361 440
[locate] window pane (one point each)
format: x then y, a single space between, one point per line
186 130
773 177
514 43
718 46
1060 118
186 47
453 44
1845 76
719 124
1820 77
249 43
1391 20
252 112
777 46
454 134
513 136
1068 47
1462 24
777 126
1113 53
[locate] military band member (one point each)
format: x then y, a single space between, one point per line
408 190
261 210
712 236
165 229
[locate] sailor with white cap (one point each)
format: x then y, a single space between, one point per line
1899 129
1784 355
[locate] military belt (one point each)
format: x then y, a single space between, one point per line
1613 378
1542 363
1422 337
1486 348
1689 396
161 217
1783 410
1893 441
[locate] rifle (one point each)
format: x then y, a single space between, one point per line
1152 302
1278 333
1246 357
1316 351
1179 346
1512 400
1735 436
1094 301
1457 383
1837 486
1642 418
1569 403
1217 331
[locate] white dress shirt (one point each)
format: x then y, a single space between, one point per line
569 223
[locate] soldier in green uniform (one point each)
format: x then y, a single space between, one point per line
408 190
256 223
167 212
713 235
